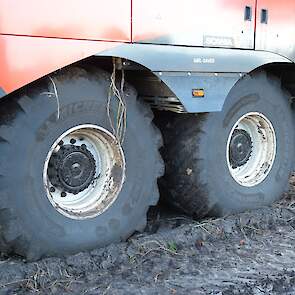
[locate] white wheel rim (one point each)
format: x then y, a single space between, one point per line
107 175
256 166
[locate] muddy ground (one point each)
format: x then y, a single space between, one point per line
249 253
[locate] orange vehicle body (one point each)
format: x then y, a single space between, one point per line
39 37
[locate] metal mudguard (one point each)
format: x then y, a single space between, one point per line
182 69
2 93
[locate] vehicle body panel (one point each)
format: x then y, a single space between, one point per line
211 23
74 19
278 34
25 59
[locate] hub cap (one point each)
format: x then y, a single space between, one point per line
72 168
240 148
251 149
84 172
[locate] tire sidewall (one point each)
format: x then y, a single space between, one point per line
38 131
261 97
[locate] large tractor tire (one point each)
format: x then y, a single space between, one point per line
238 159
66 185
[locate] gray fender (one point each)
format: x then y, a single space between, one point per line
182 69
2 93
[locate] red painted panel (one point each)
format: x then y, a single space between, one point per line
278 35
210 23
108 20
25 59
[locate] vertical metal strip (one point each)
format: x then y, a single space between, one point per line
131 21
255 22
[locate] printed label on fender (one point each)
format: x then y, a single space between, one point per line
204 60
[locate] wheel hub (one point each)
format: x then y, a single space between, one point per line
72 168
251 149
240 148
84 171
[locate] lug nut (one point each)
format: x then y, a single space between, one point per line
83 146
52 189
73 141
61 143
63 194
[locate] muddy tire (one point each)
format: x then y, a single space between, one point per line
238 159
32 224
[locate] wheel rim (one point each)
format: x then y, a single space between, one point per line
84 172
251 149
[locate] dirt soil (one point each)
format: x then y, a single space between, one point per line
249 253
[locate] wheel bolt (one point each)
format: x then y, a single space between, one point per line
52 189
73 141
63 194
83 146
